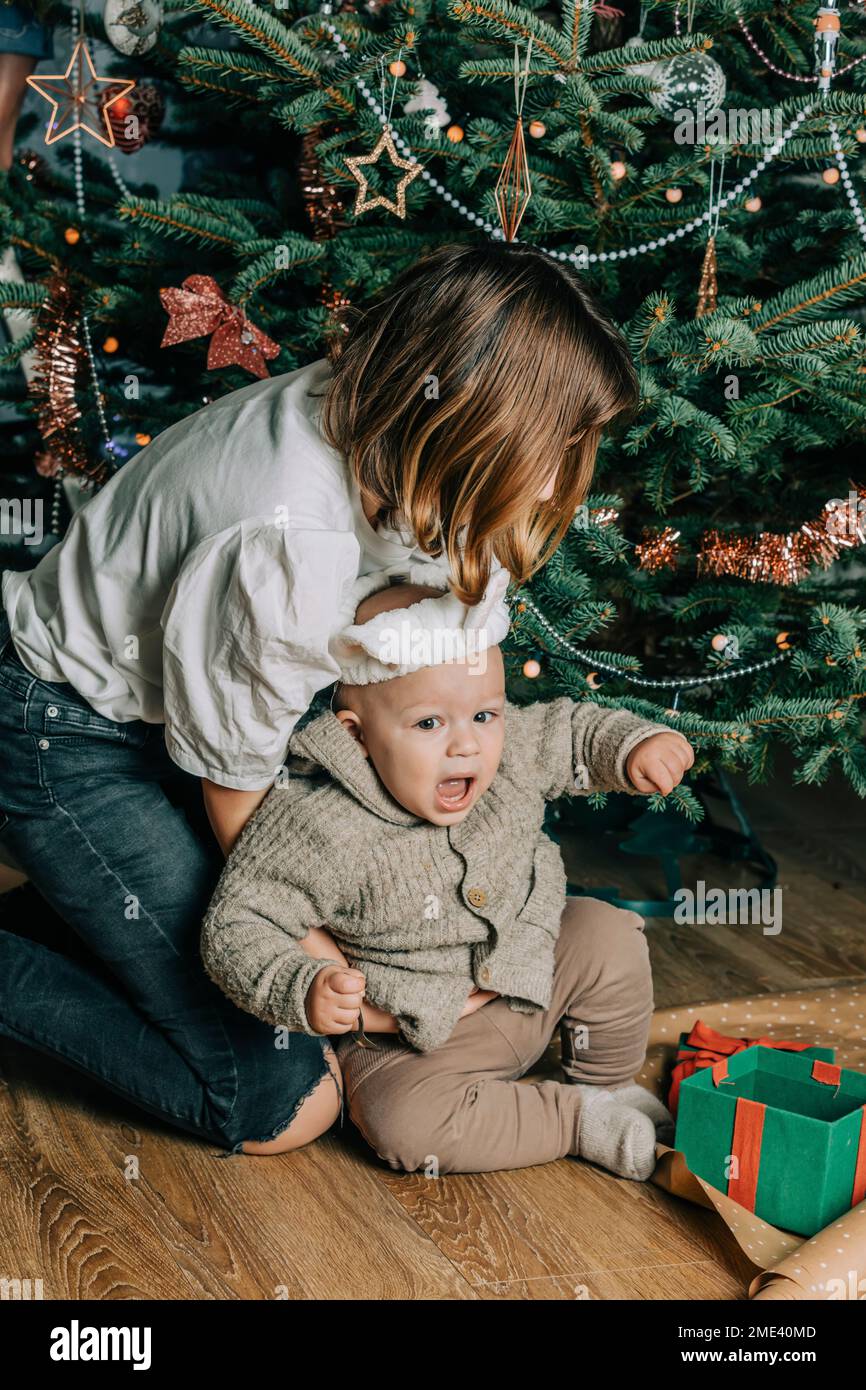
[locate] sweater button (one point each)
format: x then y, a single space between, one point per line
477 897
484 974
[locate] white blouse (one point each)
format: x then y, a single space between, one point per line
201 586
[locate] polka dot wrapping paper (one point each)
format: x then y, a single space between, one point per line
832 1264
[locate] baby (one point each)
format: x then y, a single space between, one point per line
409 821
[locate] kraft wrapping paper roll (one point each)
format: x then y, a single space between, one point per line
831 1265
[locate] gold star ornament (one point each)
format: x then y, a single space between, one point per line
411 168
74 97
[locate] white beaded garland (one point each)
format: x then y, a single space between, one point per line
842 162
593 257
681 683
781 72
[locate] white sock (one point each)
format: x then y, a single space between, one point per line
639 1098
615 1136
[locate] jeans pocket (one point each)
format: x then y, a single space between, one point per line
76 724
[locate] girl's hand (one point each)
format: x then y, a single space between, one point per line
659 762
334 1000
477 999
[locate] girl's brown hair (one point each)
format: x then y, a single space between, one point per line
458 391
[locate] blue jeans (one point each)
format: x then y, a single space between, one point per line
84 809
21 32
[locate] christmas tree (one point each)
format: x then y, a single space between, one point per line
698 164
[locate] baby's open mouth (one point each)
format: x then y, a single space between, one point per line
454 793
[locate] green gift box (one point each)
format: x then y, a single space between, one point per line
782 1133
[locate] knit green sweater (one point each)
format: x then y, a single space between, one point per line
425 911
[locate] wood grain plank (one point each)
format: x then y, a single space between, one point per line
544 1228
209 1226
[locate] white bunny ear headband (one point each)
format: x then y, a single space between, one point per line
429 633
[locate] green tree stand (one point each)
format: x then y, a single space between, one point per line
665 836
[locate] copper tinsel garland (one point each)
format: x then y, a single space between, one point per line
324 205
658 550
785 558
771 557
324 209
321 198
60 354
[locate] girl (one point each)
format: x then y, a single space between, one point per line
181 629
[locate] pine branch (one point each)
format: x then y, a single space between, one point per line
275 40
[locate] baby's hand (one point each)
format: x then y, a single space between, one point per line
334 999
658 763
477 999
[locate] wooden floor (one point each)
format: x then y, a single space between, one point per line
102 1204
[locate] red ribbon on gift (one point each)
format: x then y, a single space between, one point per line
199 308
713 1050
749 1131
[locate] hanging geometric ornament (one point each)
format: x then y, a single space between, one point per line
132 26
363 203
75 98
136 118
513 187
691 81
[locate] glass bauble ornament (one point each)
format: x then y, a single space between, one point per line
687 81
132 26
639 69
136 118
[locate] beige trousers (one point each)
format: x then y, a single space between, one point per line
461 1108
